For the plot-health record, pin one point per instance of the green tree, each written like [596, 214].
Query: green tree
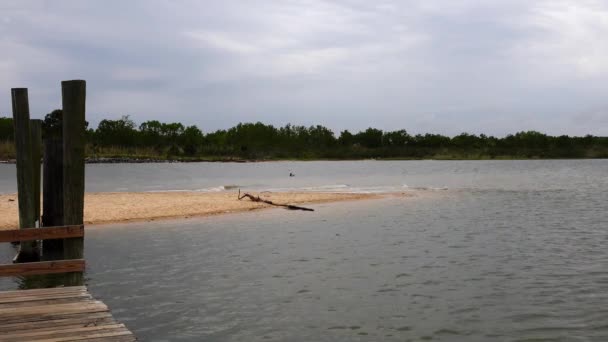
[398, 138]
[119, 132]
[191, 140]
[321, 137]
[151, 133]
[52, 125]
[6, 129]
[171, 131]
[370, 138]
[346, 138]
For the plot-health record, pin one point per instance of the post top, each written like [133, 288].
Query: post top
[73, 81]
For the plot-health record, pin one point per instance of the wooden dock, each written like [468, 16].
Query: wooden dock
[68, 312]
[57, 314]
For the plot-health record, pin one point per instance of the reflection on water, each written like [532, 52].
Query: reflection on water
[507, 263]
[42, 281]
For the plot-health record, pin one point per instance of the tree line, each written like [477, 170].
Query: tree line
[153, 139]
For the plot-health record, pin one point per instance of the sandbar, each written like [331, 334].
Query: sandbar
[114, 207]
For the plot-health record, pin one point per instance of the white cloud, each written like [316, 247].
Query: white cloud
[136, 74]
[313, 38]
[24, 65]
[567, 39]
[221, 41]
[310, 61]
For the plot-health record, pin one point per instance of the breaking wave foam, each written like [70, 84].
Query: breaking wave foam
[329, 188]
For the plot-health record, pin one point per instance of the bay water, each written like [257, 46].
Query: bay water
[464, 251]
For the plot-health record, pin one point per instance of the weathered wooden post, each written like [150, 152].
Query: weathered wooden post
[73, 95]
[25, 170]
[52, 202]
[36, 136]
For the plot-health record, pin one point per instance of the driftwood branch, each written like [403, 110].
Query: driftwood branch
[258, 199]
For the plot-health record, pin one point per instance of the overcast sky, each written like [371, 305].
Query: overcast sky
[450, 66]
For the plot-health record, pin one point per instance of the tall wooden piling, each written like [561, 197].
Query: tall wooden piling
[52, 193]
[25, 169]
[36, 136]
[73, 98]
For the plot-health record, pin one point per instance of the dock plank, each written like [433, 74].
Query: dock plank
[34, 300]
[92, 319]
[66, 332]
[33, 292]
[55, 315]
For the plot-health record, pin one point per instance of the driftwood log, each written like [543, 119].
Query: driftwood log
[258, 199]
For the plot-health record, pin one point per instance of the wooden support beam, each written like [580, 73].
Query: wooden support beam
[42, 267]
[52, 194]
[36, 136]
[73, 95]
[64, 232]
[25, 168]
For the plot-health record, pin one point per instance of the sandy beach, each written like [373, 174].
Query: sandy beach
[113, 207]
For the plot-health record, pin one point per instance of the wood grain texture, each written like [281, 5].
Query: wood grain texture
[42, 267]
[25, 167]
[57, 314]
[53, 290]
[42, 233]
[73, 94]
[36, 136]
[52, 193]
